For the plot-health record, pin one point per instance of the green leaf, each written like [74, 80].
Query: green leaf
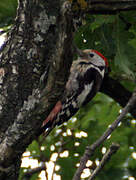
[124, 51]
[100, 20]
[7, 11]
[34, 148]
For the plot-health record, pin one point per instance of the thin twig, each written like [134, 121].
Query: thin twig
[30, 172]
[112, 150]
[90, 149]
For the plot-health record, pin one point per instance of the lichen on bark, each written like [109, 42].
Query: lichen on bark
[40, 38]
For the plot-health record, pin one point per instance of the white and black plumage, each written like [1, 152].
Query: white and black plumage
[84, 82]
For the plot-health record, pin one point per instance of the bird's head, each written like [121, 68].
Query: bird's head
[93, 56]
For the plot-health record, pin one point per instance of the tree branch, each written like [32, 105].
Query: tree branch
[112, 150]
[110, 6]
[30, 172]
[90, 149]
[115, 90]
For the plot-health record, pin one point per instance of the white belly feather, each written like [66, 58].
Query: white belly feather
[83, 95]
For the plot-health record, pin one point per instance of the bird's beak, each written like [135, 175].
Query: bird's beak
[79, 52]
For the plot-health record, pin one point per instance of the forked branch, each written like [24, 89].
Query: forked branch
[90, 149]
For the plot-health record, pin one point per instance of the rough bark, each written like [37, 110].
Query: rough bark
[41, 36]
[39, 47]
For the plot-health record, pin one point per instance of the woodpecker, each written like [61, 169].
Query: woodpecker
[86, 75]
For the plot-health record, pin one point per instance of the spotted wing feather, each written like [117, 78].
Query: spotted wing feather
[78, 92]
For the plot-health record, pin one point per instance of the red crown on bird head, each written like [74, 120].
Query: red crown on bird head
[103, 57]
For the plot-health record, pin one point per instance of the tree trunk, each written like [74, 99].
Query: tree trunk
[39, 43]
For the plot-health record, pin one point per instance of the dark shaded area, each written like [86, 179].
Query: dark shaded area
[116, 91]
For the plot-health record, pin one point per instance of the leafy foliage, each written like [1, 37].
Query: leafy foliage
[84, 129]
[115, 37]
[7, 11]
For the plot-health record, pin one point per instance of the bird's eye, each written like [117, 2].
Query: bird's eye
[91, 55]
